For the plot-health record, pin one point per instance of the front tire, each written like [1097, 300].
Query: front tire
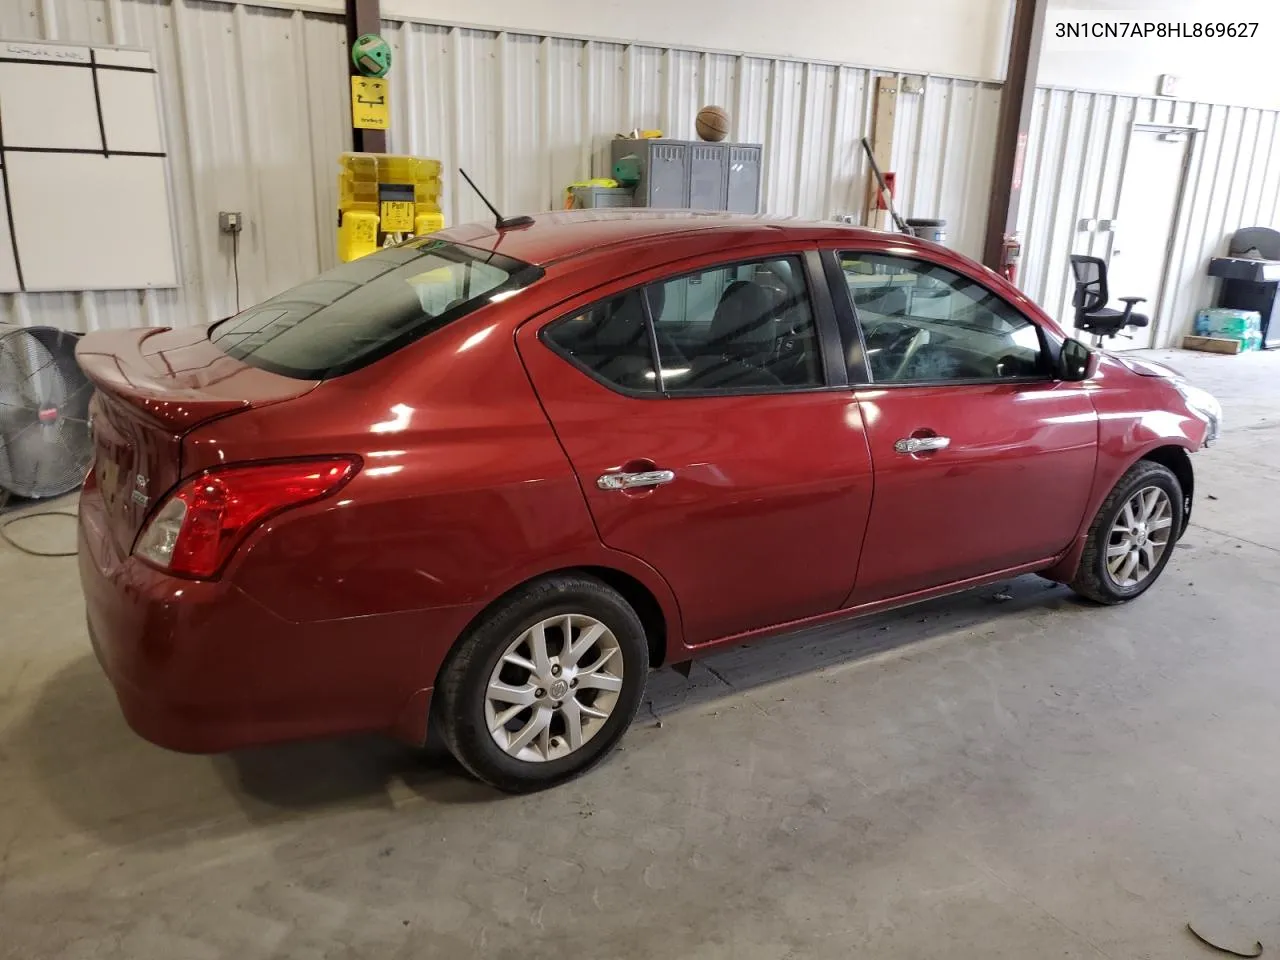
[1132, 536]
[545, 684]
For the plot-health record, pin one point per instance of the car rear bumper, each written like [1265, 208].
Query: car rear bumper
[202, 667]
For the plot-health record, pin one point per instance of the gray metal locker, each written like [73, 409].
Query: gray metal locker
[743, 189]
[708, 170]
[666, 180]
[664, 171]
[694, 174]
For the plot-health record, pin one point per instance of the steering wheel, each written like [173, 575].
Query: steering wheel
[1010, 365]
[898, 343]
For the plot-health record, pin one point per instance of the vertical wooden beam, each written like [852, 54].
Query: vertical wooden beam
[364, 16]
[1015, 119]
[882, 124]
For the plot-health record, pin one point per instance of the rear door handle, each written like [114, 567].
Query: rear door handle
[922, 444]
[629, 481]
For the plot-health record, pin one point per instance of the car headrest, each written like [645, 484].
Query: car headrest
[620, 323]
[744, 316]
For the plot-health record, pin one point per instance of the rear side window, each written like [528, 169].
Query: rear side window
[742, 327]
[746, 326]
[366, 309]
[610, 340]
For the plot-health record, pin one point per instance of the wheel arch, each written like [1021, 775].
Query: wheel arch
[1178, 461]
[641, 598]
[1174, 457]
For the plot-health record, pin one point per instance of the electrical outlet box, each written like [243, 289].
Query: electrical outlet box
[230, 221]
[913, 84]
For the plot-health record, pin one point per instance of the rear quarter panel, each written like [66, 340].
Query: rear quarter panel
[464, 493]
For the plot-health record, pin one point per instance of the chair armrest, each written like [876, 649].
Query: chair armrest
[1128, 309]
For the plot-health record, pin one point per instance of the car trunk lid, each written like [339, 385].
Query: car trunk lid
[153, 387]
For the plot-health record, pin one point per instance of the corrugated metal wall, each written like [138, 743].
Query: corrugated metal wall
[256, 111]
[255, 104]
[1074, 165]
[526, 115]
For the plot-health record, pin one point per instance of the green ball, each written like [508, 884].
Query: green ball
[371, 55]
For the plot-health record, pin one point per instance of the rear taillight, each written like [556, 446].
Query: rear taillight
[201, 523]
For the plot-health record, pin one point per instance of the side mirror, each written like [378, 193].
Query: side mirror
[1074, 361]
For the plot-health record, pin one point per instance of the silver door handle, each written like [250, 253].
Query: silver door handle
[628, 481]
[922, 444]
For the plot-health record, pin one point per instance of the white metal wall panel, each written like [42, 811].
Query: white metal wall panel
[255, 103]
[256, 106]
[1075, 162]
[530, 115]
[850, 122]
[749, 122]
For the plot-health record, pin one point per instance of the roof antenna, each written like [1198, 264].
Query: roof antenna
[501, 222]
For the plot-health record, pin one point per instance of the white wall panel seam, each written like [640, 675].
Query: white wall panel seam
[797, 186]
[260, 260]
[1086, 141]
[1266, 166]
[833, 142]
[453, 53]
[1108, 143]
[587, 92]
[183, 62]
[946, 143]
[1032, 196]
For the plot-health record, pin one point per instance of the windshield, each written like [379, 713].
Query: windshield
[366, 309]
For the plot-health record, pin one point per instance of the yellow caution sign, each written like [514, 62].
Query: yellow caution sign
[370, 103]
[397, 216]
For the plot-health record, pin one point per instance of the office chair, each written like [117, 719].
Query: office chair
[1091, 296]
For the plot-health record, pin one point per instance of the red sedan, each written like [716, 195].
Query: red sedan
[489, 478]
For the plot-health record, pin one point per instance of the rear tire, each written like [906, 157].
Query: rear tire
[544, 685]
[1133, 535]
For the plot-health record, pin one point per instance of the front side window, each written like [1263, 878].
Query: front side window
[363, 310]
[747, 326]
[922, 322]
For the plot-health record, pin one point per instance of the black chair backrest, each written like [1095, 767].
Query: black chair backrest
[1091, 283]
[743, 320]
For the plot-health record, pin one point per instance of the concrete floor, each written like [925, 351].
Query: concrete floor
[971, 778]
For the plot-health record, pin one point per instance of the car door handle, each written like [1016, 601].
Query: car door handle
[629, 481]
[922, 444]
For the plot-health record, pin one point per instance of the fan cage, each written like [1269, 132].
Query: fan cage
[45, 446]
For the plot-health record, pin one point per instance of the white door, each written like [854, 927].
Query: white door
[1143, 228]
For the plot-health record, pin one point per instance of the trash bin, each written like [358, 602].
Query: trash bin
[932, 230]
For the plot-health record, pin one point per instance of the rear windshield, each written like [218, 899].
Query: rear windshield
[366, 309]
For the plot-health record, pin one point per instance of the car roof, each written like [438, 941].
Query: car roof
[563, 234]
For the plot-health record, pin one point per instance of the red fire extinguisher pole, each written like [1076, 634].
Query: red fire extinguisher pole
[1012, 253]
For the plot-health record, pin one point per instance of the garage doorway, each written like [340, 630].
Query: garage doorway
[1141, 241]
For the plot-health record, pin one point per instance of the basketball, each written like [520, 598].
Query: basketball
[712, 124]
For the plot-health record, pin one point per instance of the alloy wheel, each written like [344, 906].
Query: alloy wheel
[554, 688]
[1139, 537]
